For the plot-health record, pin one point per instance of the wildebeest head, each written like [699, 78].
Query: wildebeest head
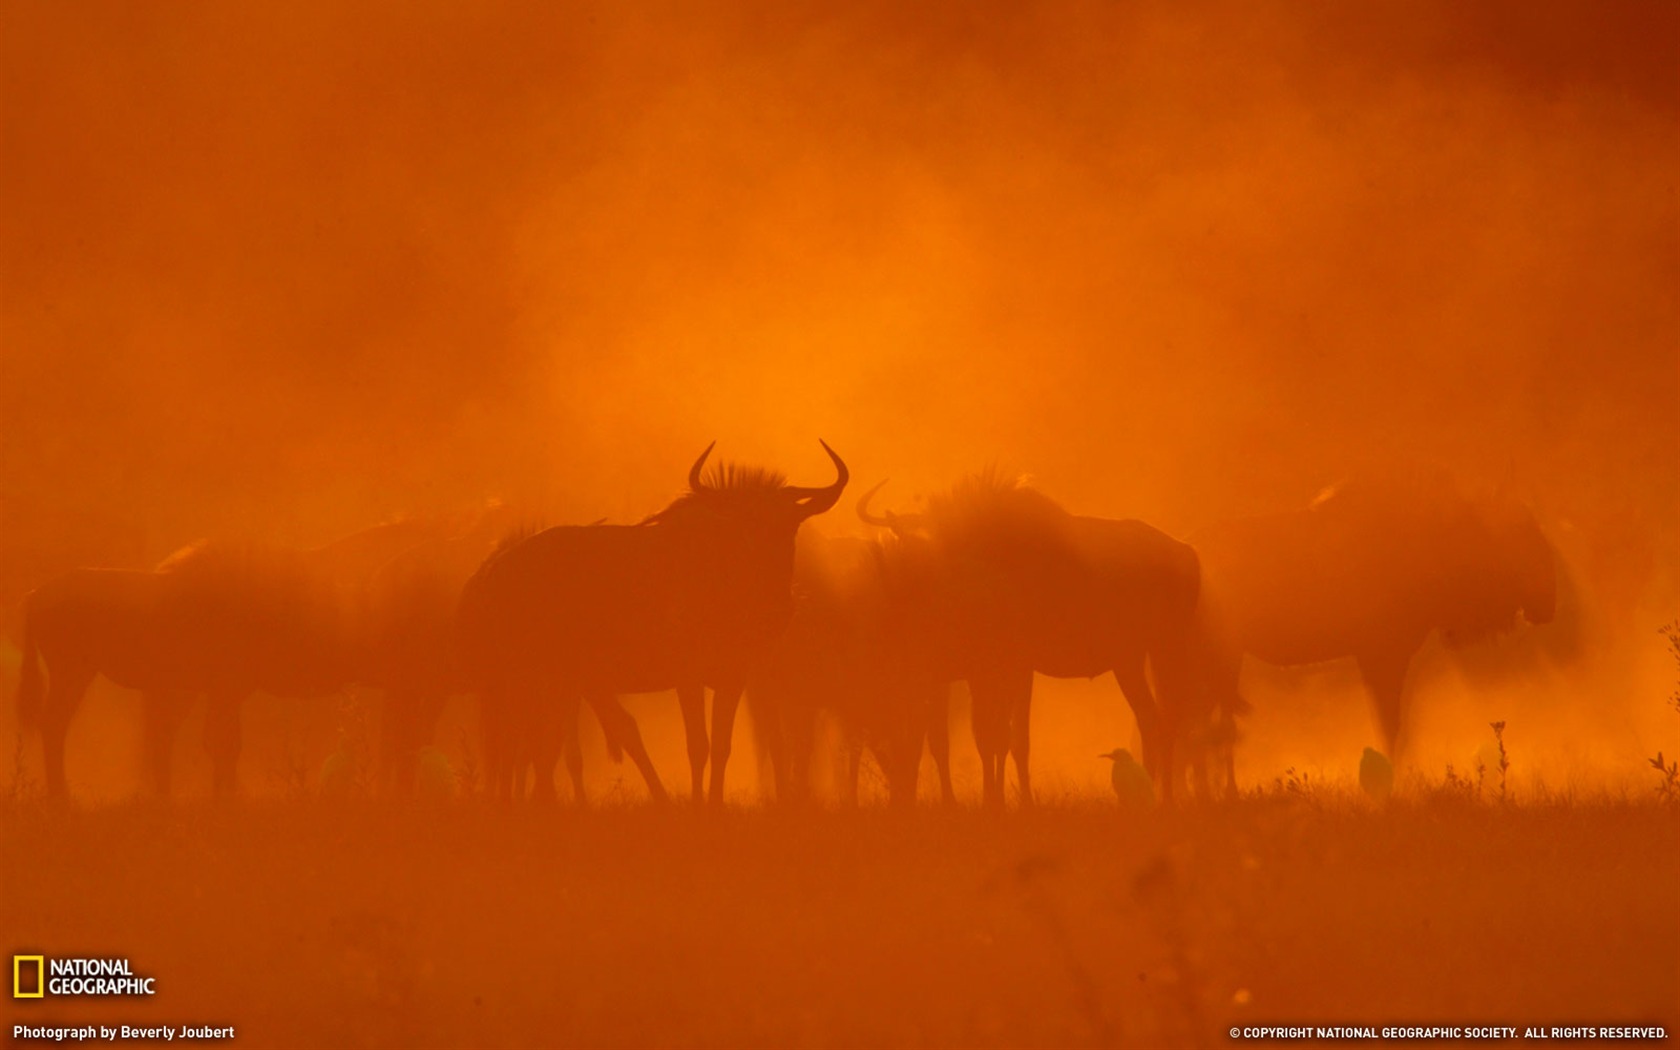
[752, 497]
[1509, 574]
[948, 566]
[988, 501]
[910, 572]
[751, 508]
[901, 524]
[906, 562]
[1531, 563]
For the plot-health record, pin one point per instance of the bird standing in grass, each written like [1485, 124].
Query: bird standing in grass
[1376, 774]
[1132, 785]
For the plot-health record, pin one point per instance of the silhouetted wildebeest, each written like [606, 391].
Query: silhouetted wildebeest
[221, 620]
[843, 653]
[1368, 572]
[1009, 584]
[693, 596]
[537, 735]
[408, 626]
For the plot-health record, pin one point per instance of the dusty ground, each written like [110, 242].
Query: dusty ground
[1074, 924]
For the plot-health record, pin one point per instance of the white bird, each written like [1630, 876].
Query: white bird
[1132, 784]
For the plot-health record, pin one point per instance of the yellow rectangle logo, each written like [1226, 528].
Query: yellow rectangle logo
[29, 976]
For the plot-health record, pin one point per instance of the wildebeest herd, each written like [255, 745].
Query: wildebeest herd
[990, 583]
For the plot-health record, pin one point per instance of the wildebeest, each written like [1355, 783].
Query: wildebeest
[1012, 584]
[407, 617]
[1368, 571]
[693, 596]
[217, 619]
[221, 622]
[538, 735]
[846, 653]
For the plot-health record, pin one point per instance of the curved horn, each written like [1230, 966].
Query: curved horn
[820, 499]
[882, 521]
[902, 524]
[694, 482]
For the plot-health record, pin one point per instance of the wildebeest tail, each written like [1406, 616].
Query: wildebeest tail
[31, 688]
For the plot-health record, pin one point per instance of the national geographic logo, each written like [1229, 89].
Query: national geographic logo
[36, 977]
[29, 976]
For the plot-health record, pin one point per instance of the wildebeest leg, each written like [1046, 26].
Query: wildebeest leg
[1146, 711]
[769, 718]
[546, 739]
[1020, 737]
[399, 739]
[852, 750]
[1385, 676]
[572, 751]
[1227, 697]
[428, 709]
[990, 704]
[692, 700]
[621, 729]
[1231, 790]
[1199, 769]
[725, 699]
[1156, 728]
[395, 711]
[494, 734]
[901, 759]
[163, 713]
[416, 713]
[222, 740]
[795, 742]
[939, 744]
[65, 690]
[995, 754]
[522, 715]
[1195, 685]
[1228, 750]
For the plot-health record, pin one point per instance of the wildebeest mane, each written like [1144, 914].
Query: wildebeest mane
[234, 560]
[1409, 494]
[723, 480]
[248, 574]
[514, 537]
[990, 504]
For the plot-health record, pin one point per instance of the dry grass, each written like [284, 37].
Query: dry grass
[1073, 924]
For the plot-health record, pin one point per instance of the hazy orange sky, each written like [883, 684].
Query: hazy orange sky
[294, 268]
